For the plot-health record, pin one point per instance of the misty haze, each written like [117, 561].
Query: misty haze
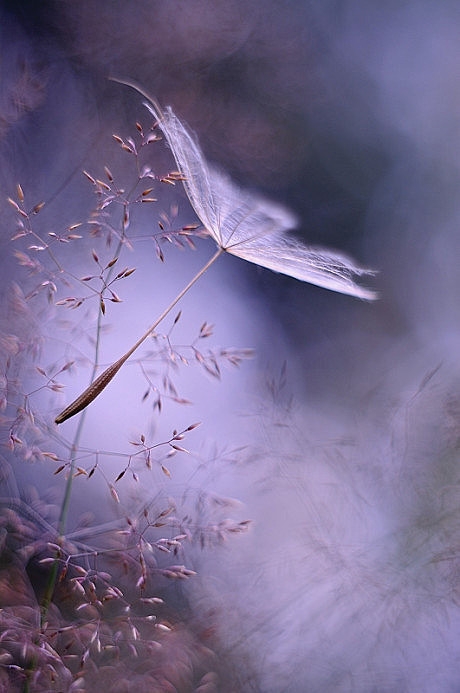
[265, 496]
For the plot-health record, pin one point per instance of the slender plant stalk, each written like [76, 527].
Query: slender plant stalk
[64, 511]
[104, 379]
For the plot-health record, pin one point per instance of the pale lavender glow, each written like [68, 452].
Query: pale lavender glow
[346, 461]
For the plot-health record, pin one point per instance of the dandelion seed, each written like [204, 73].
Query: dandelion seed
[241, 224]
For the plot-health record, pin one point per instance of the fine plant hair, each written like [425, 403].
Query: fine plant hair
[241, 224]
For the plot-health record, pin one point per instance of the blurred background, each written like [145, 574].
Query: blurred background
[340, 438]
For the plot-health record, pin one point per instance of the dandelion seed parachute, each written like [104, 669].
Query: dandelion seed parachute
[247, 225]
[240, 223]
